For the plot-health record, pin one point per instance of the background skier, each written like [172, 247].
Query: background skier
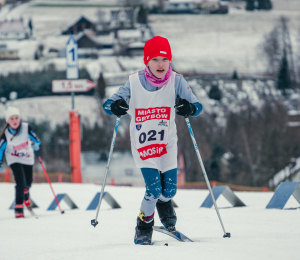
[15, 141]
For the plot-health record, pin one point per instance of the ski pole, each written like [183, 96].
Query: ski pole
[40, 160]
[94, 222]
[204, 173]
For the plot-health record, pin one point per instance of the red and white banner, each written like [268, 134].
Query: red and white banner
[21, 146]
[143, 115]
[152, 151]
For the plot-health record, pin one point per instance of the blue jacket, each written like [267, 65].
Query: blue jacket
[182, 90]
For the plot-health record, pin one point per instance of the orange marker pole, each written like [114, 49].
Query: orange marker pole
[7, 175]
[75, 146]
[60, 177]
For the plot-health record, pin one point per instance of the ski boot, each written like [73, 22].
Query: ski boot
[143, 230]
[27, 200]
[19, 211]
[167, 214]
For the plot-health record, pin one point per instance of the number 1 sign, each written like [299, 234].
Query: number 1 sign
[72, 58]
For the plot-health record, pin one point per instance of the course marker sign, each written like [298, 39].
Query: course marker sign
[72, 58]
[77, 85]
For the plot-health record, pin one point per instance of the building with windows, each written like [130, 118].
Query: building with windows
[13, 30]
[8, 52]
[179, 6]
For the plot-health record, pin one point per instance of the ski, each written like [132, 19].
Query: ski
[175, 234]
[31, 211]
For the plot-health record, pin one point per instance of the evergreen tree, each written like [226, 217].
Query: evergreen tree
[250, 5]
[264, 5]
[284, 80]
[235, 75]
[214, 172]
[215, 93]
[101, 86]
[142, 15]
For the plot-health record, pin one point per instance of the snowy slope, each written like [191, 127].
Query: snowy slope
[56, 109]
[223, 43]
[200, 43]
[257, 233]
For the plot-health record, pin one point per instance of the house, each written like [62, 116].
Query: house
[294, 119]
[115, 20]
[106, 41]
[290, 173]
[134, 49]
[79, 25]
[121, 19]
[86, 41]
[106, 44]
[179, 6]
[13, 30]
[9, 52]
[211, 7]
[126, 37]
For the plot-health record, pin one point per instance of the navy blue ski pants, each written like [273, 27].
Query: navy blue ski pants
[159, 185]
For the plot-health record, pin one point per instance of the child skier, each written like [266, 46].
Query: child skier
[15, 141]
[154, 95]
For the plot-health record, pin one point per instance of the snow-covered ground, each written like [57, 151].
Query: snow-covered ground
[257, 233]
[55, 109]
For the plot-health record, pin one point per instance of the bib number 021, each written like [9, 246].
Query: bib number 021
[151, 136]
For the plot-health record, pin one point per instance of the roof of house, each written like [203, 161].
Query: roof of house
[56, 42]
[129, 33]
[136, 45]
[16, 26]
[106, 39]
[181, 1]
[81, 18]
[10, 45]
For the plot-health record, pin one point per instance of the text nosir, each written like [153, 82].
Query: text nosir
[152, 151]
[142, 115]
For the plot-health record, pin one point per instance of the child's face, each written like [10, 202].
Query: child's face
[14, 121]
[159, 66]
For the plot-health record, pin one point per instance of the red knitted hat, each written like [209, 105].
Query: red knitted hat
[157, 46]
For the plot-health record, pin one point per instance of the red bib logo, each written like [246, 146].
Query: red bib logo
[142, 115]
[21, 146]
[152, 151]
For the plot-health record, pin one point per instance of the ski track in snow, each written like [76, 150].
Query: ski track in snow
[256, 233]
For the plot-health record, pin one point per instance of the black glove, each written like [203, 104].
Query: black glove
[184, 107]
[119, 107]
